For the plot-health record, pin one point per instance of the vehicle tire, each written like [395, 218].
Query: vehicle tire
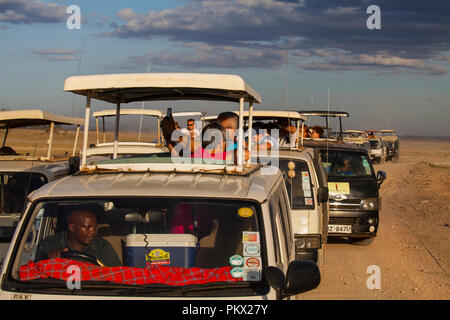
[362, 241]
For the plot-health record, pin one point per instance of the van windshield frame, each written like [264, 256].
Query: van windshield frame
[236, 288]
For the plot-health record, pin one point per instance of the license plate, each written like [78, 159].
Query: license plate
[337, 228]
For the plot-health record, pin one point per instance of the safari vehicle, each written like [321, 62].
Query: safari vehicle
[126, 148]
[23, 173]
[181, 229]
[359, 137]
[305, 180]
[377, 147]
[392, 143]
[328, 134]
[353, 190]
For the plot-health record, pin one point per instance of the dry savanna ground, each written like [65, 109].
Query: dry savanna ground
[412, 249]
[30, 141]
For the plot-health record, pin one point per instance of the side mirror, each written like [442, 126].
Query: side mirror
[74, 164]
[322, 195]
[381, 176]
[302, 276]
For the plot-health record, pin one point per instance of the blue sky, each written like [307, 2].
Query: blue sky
[396, 77]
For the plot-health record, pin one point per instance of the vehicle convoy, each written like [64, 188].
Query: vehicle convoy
[353, 189]
[378, 150]
[21, 174]
[359, 137]
[392, 144]
[179, 229]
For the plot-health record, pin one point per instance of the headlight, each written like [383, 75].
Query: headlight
[308, 242]
[370, 204]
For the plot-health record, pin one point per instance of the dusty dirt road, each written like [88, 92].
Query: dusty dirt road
[412, 248]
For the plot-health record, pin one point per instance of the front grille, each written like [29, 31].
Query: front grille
[344, 220]
[347, 204]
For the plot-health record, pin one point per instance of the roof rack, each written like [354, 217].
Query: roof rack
[35, 117]
[125, 88]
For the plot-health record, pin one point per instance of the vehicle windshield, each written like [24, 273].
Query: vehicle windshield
[146, 243]
[346, 163]
[14, 188]
[374, 144]
[388, 134]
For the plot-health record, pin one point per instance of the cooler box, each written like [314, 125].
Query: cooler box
[174, 250]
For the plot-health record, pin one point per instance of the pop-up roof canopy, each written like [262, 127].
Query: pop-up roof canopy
[354, 131]
[112, 112]
[27, 118]
[387, 131]
[35, 117]
[125, 88]
[325, 113]
[274, 115]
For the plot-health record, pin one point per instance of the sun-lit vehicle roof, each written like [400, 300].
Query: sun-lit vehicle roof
[130, 87]
[34, 117]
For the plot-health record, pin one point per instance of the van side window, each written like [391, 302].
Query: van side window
[285, 217]
[299, 187]
[274, 211]
[280, 229]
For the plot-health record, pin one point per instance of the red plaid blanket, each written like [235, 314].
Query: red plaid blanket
[57, 268]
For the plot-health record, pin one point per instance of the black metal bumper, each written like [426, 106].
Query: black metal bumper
[358, 220]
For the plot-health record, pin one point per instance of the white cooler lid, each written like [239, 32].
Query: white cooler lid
[162, 240]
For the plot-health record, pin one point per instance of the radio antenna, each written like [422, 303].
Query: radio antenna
[78, 72]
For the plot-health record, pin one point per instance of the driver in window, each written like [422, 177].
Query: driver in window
[346, 168]
[80, 239]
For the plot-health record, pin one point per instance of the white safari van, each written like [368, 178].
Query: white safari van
[23, 168]
[304, 176]
[157, 227]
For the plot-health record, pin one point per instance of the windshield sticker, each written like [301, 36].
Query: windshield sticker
[308, 201]
[158, 256]
[245, 212]
[252, 249]
[252, 262]
[237, 272]
[366, 166]
[249, 236]
[306, 184]
[252, 275]
[338, 188]
[236, 260]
